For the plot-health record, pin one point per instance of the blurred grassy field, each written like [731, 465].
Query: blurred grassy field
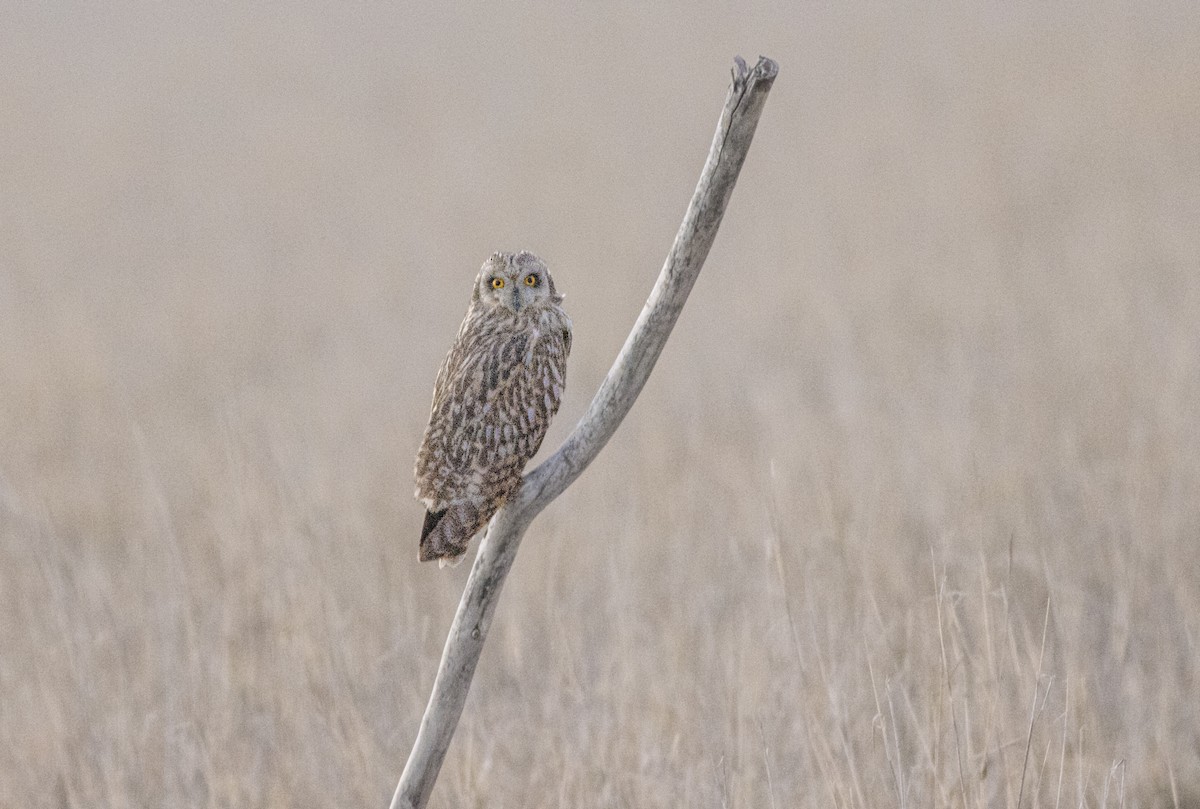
[908, 515]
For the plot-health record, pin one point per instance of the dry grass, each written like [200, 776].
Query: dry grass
[908, 516]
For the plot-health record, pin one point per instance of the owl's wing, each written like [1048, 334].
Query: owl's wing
[476, 373]
[466, 427]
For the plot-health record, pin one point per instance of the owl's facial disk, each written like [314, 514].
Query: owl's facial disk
[515, 282]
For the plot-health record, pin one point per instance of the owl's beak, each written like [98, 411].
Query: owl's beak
[516, 298]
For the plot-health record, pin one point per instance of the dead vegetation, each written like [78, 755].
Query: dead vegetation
[907, 515]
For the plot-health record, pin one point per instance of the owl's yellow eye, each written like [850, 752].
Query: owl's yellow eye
[497, 283]
[531, 280]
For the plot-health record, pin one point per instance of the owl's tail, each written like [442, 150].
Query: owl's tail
[447, 533]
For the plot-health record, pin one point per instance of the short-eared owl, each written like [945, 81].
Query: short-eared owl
[494, 397]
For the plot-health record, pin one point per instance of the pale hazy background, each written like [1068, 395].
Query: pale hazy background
[942, 369]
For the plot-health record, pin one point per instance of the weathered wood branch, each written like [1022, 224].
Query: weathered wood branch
[735, 130]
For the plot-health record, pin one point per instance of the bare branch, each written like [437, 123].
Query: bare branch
[735, 130]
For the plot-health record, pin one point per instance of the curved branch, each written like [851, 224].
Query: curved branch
[735, 130]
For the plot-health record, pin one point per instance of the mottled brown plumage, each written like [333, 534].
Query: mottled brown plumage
[495, 395]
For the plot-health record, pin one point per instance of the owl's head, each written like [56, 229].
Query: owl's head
[518, 282]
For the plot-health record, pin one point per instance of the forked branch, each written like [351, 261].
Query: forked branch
[735, 130]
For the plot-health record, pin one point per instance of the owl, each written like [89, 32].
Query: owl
[495, 395]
